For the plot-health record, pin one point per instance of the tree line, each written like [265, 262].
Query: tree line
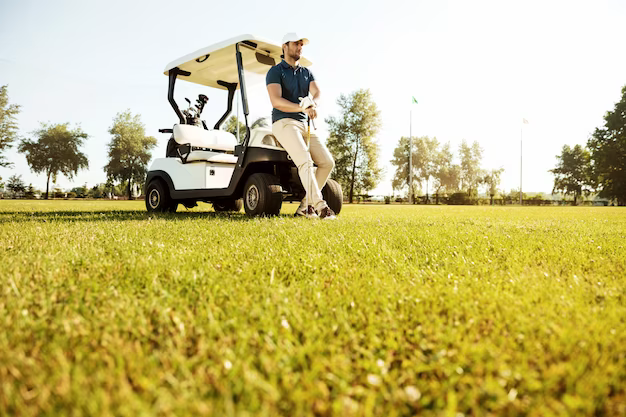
[55, 149]
[18, 188]
[352, 141]
[433, 166]
[601, 165]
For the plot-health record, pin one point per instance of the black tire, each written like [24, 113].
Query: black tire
[228, 205]
[333, 195]
[262, 195]
[158, 198]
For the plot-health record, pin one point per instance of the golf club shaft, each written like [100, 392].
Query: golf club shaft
[308, 148]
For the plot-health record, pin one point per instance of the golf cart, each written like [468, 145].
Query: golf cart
[209, 165]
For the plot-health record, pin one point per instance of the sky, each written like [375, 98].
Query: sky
[477, 68]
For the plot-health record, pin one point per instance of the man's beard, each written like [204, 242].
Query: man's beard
[295, 56]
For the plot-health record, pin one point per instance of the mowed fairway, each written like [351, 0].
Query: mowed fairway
[391, 310]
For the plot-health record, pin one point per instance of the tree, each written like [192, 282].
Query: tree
[8, 124]
[448, 175]
[572, 174]
[129, 150]
[401, 162]
[513, 196]
[81, 191]
[425, 162]
[427, 154]
[120, 189]
[352, 142]
[608, 153]
[492, 179]
[471, 173]
[55, 151]
[16, 185]
[231, 126]
[30, 192]
[109, 187]
[97, 191]
[260, 122]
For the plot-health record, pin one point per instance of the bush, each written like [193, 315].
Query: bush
[78, 192]
[30, 192]
[460, 198]
[96, 192]
[387, 200]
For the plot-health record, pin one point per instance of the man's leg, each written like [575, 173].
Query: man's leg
[289, 133]
[323, 159]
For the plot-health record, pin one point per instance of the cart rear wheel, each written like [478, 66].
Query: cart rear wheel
[333, 195]
[158, 198]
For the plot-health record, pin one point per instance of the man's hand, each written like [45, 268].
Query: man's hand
[306, 102]
[311, 112]
[308, 106]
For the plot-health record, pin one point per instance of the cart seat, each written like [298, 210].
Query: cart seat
[212, 157]
[198, 137]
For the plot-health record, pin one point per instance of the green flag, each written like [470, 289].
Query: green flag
[414, 101]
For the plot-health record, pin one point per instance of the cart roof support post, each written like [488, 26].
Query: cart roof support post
[231, 94]
[173, 73]
[244, 99]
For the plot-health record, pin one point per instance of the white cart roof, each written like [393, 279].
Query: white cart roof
[219, 63]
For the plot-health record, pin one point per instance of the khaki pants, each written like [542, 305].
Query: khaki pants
[291, 133]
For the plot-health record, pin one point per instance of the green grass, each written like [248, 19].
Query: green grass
[391, 310]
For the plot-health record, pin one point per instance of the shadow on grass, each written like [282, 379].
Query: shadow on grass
[68, 216]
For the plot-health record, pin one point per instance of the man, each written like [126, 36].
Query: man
[294, 93]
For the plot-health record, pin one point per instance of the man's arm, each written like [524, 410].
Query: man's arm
[315, 90]
[278, 102]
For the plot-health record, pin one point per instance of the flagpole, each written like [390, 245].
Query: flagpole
[411, 154]
[521, 135]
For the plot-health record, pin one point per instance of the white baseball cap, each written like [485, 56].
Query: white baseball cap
[293, 37]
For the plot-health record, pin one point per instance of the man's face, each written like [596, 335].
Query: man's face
[294, 50]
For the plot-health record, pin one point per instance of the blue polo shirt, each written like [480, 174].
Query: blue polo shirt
[294, 83]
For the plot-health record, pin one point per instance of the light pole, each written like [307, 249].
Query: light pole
[520, 164]
[411, 156]
[521, 136]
